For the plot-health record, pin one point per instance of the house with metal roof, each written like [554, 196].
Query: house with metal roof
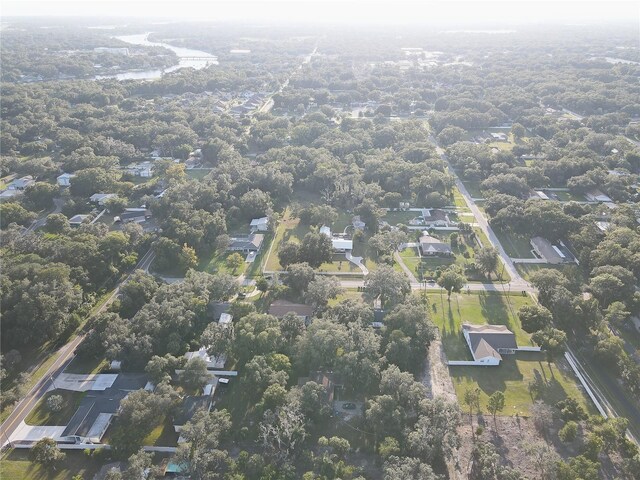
[488, 343]
[246, 244]
[434, 247]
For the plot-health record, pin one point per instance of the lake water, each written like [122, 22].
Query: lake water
[188, 58]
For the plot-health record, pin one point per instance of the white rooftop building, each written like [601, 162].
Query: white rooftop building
[64, 180]
[339, 244]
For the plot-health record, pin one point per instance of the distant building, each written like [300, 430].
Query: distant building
[597, 196]
[21, 183]
[115, 50]
[97, 408]
[213, 362]
[78, 220]
[432, 217]
[100, 198]
[142, 169]
[259, 224]
[603, 226]
[357, 223]
[500, 137]
[280, 308]
[137, 215]
[64, 180]
[433, 247]
[190, 405]
[539, 194]
[554, 254]
[246, 244]
[488, 342]
[339, 244]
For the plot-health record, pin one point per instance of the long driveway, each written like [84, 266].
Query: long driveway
[64, 356]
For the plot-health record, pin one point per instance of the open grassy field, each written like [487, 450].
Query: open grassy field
[41, 415]
[516, 246]
[516, 372]
[17, 465]
[573, 272]
[217, 263]
[82, 364]
[399, 217]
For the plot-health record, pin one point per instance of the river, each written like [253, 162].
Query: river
[188, 58]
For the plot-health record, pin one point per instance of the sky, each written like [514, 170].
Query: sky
[338, 11]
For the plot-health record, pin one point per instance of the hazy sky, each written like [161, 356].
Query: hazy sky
[347, 11]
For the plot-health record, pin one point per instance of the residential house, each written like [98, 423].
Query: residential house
[64, 180]
[137, 215]
[100, 198]
[488, 343]
[142, 169]
[280, 308]
[432, 217]
[78, 220]
[340, 244]
[213, 362]
[331, 382]
[259, 224]
[434, 247]
[98, 407]
[554, 254]
[246, 244]
[357, 223]
[190, 405]
[21, 183]
[597, 196]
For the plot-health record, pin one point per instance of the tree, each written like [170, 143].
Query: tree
[298, 277]
[568, 432]
[452, 280]
[322, 289]
[472, 400]
[288, 253]
[139, 466]
[40, 195]
[262, 284]
[55, 403]
[199, 454]
[57, 223]
[388, 447]
[136, 292]
[390, 286]
[487, 260]
[316, 248]
[403, 468]
[47, 453]
[542, 415]
[195, 374]
[234, 261]
[12, 212]
[282, 431]
[544, 459]
[495, 404]
[434, 437]
[551, 340]
[534, 318]
[518, 130]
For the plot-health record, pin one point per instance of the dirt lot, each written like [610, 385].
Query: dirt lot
[510, 434]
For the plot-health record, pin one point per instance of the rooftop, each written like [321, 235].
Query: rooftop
[280, 308]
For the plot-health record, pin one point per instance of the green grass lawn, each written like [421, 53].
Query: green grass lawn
[458, 200]
[516, 246]
[568, 197]
[17, 465]
[217, 263]
[573, 272]
[164, 435]
[473, 187]
[41, 415]
[399, 217]
[198, 174]
[516, 371]
[81, 364]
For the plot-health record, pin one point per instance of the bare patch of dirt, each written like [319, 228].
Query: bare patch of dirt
[436, 373]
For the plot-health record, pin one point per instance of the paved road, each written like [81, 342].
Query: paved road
[65, 355]
[59, 203]
[517, 282]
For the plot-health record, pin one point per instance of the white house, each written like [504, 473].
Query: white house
[21, 183]
[259, 224]
[339, 244]
[142, 169]
[597, 196]
[64, 180]
[488, 342]
[100, 198]
[213, 362]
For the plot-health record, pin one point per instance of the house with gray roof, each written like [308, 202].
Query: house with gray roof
[246, 244]
[434, 247]
[488, 343]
